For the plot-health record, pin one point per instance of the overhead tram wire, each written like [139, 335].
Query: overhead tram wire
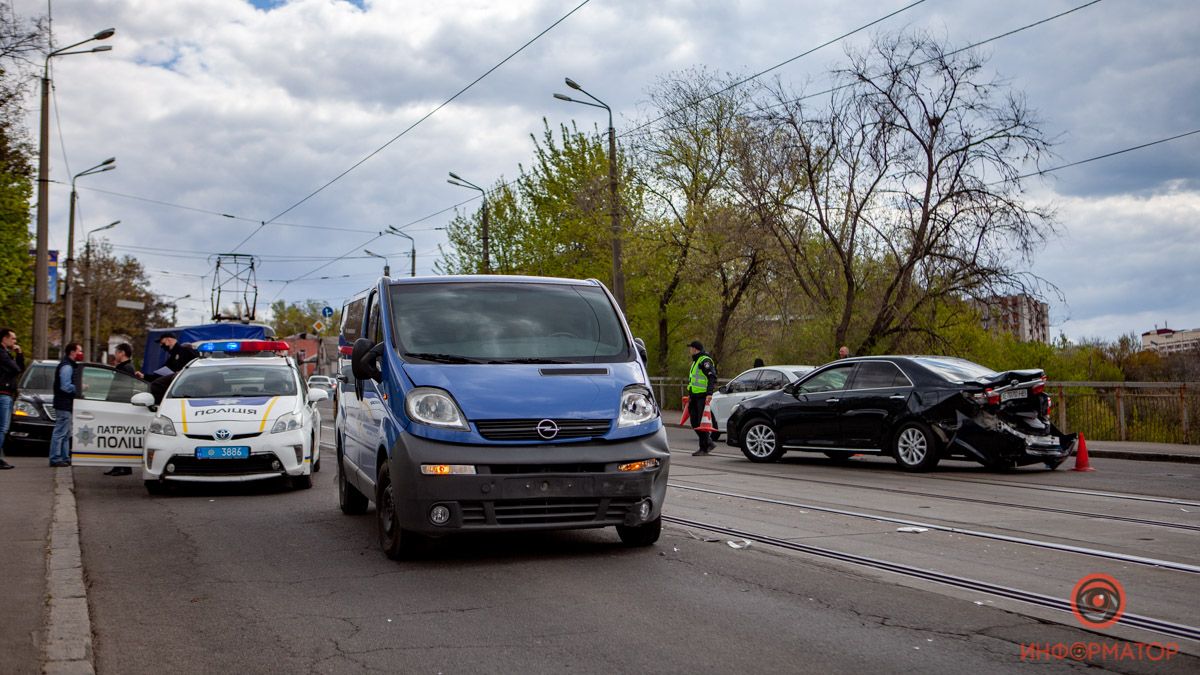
[1098, 157]
[843, 86]
[777, 66]
[412, 126]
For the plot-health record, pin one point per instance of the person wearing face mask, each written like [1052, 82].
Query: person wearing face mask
[178, 354]
[64, 405]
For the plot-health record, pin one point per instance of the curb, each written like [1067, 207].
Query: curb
[68, 647]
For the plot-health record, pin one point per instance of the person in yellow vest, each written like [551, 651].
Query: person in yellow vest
[702, 382]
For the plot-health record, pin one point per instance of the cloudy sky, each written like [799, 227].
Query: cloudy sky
[246, 108]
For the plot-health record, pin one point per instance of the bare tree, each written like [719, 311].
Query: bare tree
[900, 190]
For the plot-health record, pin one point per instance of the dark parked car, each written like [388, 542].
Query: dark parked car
[918, 409]
[33, 411]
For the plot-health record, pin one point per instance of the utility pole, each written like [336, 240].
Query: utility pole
[455, 179]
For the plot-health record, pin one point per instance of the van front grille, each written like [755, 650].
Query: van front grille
[527, 429]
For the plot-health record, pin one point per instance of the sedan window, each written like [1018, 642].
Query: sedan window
[826, 380]
[771, 379]
[878, 375]
[744, 382]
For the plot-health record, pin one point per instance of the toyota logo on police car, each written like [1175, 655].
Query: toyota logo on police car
[221, 434]
[547, 429]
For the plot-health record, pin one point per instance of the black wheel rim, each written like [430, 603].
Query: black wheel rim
[387, 508]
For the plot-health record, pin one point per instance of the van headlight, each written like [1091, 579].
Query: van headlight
[637, 406]
[436, 408]
[288, 422]
[162, 425]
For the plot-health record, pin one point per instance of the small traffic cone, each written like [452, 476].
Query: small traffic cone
[684, 420]
[706, 423]
[1081, 456]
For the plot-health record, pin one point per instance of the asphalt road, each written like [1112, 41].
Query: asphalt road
[258, 578]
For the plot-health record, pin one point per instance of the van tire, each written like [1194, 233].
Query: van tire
[397, 542]
[351, 501]
[640, 535]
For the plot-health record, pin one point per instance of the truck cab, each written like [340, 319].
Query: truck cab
[492, 403]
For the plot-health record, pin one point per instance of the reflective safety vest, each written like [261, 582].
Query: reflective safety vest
[697, 380]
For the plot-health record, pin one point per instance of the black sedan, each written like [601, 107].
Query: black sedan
[33, 411]
[918, 409]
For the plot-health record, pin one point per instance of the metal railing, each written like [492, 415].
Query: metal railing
[1155, 412]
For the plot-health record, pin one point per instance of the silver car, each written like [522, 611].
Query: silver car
[752, 383]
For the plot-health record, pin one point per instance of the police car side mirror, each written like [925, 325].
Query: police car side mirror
[362, 361]
[316, 395]
[144, 399]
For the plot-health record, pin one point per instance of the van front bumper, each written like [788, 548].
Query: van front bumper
[529, 487]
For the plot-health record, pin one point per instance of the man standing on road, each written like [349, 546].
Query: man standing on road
[64, 405]
[702, 381]
[124, 357]
[12, 363]
[178, 355]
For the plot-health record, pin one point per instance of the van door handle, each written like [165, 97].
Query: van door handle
[833, 400]
[85, 416]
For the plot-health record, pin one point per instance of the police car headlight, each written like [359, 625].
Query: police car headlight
[436, 408]
[288, 422]
[162, 426]
[26, 408]
[637, 407]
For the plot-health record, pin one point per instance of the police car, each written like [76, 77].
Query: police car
[241, 415]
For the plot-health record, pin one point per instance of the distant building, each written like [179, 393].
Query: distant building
[1171, 341]
[1023, 316]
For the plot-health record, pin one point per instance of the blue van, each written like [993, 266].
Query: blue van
[497, 403]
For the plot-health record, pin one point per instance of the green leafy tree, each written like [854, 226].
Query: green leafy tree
[298, 317]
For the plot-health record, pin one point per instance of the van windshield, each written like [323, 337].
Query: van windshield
[507, 323]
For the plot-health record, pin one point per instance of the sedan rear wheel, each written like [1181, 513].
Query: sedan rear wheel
[760, 443]
[915, 448]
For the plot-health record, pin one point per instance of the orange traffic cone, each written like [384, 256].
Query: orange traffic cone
[706, 423]
[684, 420]
[1081, 456]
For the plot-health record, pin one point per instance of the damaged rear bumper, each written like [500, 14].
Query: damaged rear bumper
[991, 440]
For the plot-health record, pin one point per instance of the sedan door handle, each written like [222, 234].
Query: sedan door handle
[833, 400]
[898, 397]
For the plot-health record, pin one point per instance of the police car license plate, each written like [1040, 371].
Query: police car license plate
[223, 452]
[1014, 394]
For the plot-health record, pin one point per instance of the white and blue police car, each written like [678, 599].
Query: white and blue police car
[243, 414]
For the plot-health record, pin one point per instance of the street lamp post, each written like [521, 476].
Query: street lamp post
[175, 308]
[387, 269]
[87, 293]
[413, 254]
[618, 274]
[69, 280]
[41, 282]
[455, 179]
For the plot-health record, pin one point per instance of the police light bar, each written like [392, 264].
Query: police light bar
[345, 349]
[244, 346]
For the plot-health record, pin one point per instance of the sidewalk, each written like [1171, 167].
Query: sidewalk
[26, 508]
[1146, 452]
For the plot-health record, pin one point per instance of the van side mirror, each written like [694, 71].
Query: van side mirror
[640, 344]
[363, 360]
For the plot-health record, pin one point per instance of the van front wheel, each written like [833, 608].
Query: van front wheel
[640, 535]
[396, 542]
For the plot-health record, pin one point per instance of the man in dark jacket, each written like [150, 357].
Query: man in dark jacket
[64, 404]
[702, 382]
[12, 363]
[178, 355]
[123, 391]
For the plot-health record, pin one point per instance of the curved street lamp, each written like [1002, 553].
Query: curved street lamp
[41, 283]
[618, 275]
[387, 270]
[68, 282]
[87, 292]
[455, 179]
[413, 254]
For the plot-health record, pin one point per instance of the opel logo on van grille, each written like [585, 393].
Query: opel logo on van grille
[547, 429]
[221, 434]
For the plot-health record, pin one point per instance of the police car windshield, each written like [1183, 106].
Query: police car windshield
[234, 382]
[507, 323]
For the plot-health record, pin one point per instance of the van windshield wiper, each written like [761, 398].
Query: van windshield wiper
[529, 360]
[442, 358]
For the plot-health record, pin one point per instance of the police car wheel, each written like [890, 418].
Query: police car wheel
[640, 535]
[155, 487]
[301, 482]
[316, 451]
